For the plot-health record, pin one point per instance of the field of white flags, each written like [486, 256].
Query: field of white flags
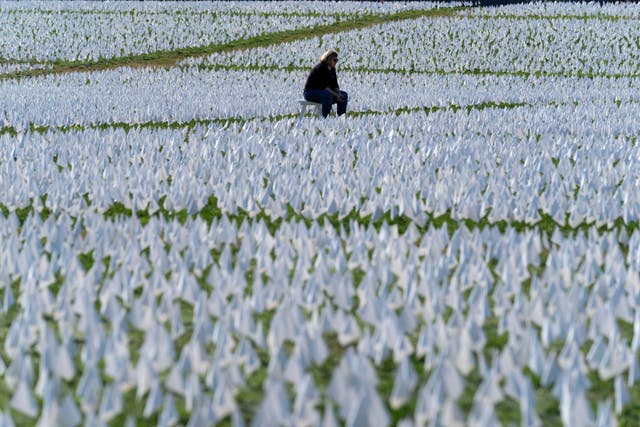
[179, 246]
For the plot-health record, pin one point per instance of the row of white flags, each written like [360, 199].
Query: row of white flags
[413, 166]
[424, 300]
[89, 31]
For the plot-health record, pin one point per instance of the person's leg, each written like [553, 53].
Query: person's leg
[342, 106]
[324, 97]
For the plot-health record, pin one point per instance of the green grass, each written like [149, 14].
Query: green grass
[177, 12]
[211, 211]
[630, 415]
[435, 71]
[558, 16]
[239, 120]
[5, 323]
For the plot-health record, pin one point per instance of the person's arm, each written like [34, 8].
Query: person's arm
[334, 89]
[335, 94]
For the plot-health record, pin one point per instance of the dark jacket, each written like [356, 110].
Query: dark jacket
[321, 77]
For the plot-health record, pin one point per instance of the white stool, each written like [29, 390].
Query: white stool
[304, 104]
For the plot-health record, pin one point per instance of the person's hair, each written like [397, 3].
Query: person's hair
[328, 56]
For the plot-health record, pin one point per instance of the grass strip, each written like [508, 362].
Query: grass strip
[175, 12]
[559, 16]
[226, 121]
[18, 61]
[412, 71]
[169, 58]
[212, 211]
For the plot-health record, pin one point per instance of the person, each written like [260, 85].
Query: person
[322, 85]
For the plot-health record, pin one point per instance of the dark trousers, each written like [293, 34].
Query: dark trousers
[326, 98]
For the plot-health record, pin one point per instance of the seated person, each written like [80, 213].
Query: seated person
[322, 85]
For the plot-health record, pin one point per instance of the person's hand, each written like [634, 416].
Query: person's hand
[339, 98]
